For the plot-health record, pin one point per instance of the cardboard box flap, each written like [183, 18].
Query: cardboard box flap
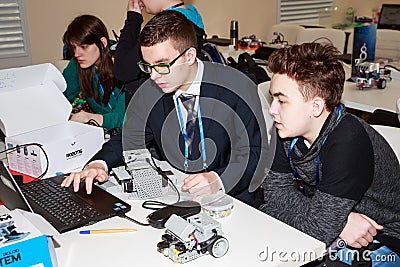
[31, 98]
[23, 77]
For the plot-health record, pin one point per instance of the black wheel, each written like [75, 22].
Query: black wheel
[218, 247]
[381, 83]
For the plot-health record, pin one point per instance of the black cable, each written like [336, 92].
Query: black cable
[93, 122]
[323, 38]
[391, 66]
[115, 36]
[123, 215]
[160, 172]
[154, 204]
[8, 150]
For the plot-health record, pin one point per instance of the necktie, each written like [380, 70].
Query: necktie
[188, 102]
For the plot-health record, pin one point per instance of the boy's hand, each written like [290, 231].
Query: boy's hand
[135, 5]
[359, 230]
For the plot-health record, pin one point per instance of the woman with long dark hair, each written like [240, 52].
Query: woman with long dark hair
[91, 87]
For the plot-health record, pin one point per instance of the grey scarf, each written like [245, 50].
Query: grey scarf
[306, 164]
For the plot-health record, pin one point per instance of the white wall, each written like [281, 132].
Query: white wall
[48, 19]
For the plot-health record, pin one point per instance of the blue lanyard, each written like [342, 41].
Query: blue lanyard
[102, 89]
[175, 6]
[294, 172]
[183, 129]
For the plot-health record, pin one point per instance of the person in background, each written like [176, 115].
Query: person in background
[128, 54]
[97, 97]
[331, 169]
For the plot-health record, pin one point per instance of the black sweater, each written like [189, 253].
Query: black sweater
[128, 54]
[360, 173]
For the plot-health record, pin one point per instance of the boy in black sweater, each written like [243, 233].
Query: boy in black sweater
[331, 169]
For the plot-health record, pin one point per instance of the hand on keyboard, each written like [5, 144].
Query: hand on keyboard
[93, 172]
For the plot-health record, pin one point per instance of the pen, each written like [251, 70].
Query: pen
[107, 231]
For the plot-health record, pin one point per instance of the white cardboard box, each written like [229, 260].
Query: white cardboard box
[33, 109]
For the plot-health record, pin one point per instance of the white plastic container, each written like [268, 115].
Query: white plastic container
[217, 206]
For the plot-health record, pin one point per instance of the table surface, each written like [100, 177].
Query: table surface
[366, 100]
[371, 99]
[254, 239]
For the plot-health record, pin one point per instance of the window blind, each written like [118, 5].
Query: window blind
[300, 12]
[14, 44]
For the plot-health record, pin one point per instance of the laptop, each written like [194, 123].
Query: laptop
[389, 17]
[64, 209]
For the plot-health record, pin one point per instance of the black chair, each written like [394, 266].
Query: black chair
[384, 117]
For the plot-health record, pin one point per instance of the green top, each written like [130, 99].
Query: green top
[113, 113]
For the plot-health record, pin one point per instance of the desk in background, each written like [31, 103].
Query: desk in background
[370, 99]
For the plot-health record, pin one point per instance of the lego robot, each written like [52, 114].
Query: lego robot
[186, 240]
[371, 74]
[279, 39]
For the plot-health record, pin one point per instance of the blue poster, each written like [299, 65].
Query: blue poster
[363, 46]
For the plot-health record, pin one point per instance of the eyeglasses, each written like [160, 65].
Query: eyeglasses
[161, 68]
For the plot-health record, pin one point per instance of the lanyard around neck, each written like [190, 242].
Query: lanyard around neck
[294, 172]
[175, 6]
[183, 129]
[102, 89]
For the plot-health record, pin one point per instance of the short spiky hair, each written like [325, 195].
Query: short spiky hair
[169, 25]
[315, 68]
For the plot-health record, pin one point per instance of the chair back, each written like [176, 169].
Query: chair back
[391, 135]
[322, 35]
[387, 44]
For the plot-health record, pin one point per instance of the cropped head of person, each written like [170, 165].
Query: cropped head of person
[168, 43]
[156, 6]
[88, 41]
[306, 86]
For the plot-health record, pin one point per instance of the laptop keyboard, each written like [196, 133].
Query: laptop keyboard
[57, 201]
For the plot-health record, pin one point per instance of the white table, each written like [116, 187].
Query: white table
[255, 239]
[371, 99]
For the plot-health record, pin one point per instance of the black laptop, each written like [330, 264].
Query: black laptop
[389, 17]
[62, 207]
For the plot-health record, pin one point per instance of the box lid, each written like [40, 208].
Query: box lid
[31, 98]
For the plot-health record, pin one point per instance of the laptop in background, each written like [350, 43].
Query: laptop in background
[64, 209]
[389, 17]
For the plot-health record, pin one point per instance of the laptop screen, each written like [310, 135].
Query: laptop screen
[10, 194]
[389, 17]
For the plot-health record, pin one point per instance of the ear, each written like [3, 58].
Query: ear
[191, 55]
[104, 41]
[318, 106]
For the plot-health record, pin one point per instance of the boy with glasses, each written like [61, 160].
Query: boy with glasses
[331, 169]
[204, 119]
[128, 49]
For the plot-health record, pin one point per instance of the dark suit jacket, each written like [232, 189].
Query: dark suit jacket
[233, 124]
